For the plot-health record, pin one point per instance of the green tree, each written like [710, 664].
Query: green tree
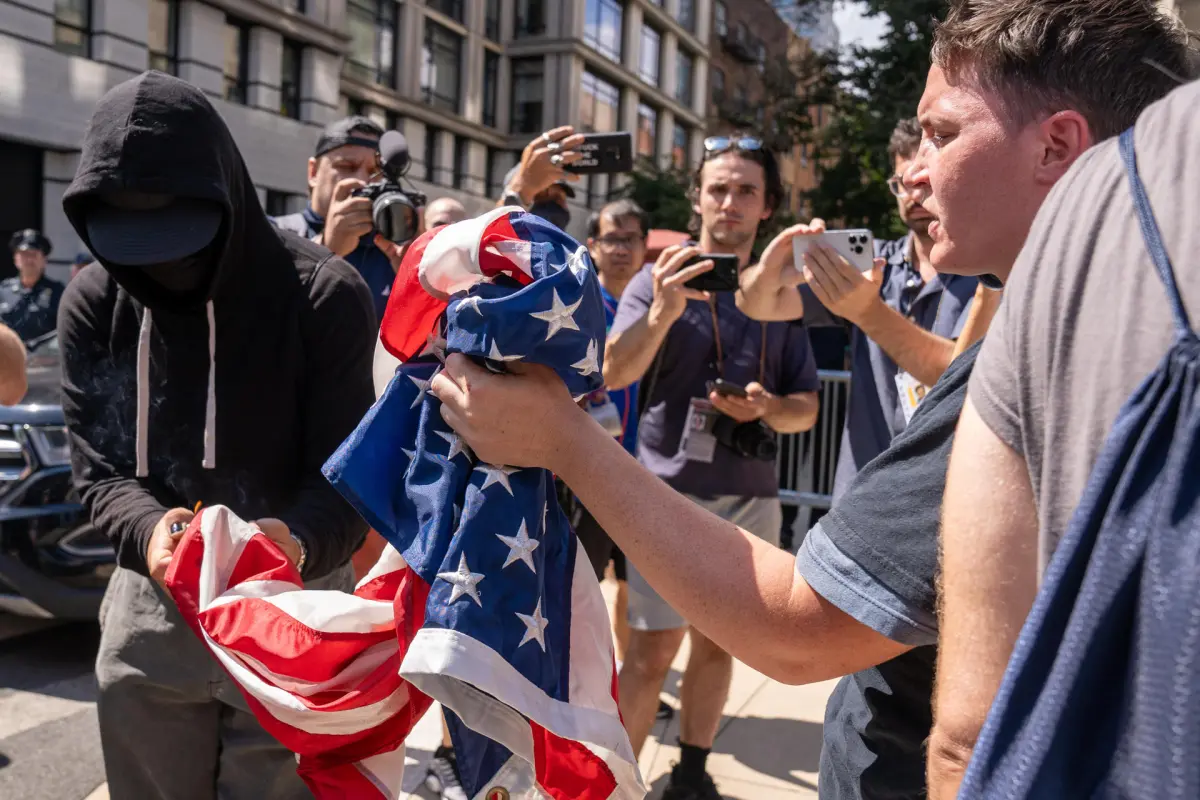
[662, 193]
[867, 92]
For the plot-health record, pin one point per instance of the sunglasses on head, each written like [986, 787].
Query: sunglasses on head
[719, 144]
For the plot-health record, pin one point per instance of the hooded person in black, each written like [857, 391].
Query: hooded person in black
[212, 360]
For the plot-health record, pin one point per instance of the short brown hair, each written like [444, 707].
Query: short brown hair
[618, 210]
[906, 139]
[1044, 56]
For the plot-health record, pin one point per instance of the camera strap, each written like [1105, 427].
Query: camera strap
[762, 350]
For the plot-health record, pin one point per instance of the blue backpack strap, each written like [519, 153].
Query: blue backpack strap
[1152, 235]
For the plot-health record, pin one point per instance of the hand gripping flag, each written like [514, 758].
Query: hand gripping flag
[482, 598]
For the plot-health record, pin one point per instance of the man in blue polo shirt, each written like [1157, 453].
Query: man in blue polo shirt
[905, 319]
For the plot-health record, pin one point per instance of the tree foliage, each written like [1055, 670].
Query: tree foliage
[867, 92]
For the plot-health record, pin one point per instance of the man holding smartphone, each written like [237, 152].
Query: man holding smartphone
[905, 317]
[707, 444]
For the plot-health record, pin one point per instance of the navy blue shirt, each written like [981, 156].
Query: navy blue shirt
[688, 363]
[33, 311]
[368, 259]
[876, 413]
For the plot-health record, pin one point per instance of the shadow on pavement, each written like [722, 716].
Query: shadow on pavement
[773, 746]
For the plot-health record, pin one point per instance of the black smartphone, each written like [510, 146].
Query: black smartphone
[726, 388]
[604, 153]
[723, 277]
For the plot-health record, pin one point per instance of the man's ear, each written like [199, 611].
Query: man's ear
[1063, 138]
[312, 174]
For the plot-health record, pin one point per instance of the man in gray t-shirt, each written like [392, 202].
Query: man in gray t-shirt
[1084, 320]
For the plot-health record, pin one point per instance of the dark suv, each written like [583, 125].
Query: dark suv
[53, 563]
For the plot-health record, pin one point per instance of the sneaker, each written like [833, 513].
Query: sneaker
[678, 789]
[664, 711]
[442, 778]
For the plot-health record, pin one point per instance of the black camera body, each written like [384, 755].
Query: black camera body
[394, 209]
[747, 439]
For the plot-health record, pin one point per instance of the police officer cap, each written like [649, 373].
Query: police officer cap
[29, 239]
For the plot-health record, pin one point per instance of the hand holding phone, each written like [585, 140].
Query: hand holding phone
[603, 153]
[723, 277]
[857, 246]
[726, 389]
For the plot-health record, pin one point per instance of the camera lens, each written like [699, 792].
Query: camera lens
[853, 240]
[394, 216]
[859, 249]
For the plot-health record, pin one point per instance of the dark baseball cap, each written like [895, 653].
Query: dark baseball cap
[29, 239]
[141, 231]
[570, 190]
[351, 130]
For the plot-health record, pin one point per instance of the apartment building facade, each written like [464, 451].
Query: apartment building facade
[469, 83]
[749, 42]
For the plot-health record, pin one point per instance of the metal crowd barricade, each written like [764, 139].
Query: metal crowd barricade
[807, 462]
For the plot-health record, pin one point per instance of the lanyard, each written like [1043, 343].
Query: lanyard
[762, 350]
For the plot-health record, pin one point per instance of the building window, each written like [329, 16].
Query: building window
[599, 108]
[647, 130]
[679, 147]
[602, 28]
[528, 82]
[431, 147]
[163, 36]
[531, 18]
[491, 86]
[441, 58]
[683, 77]
[462, 160]
[648, 64]
[372, 28]
[355, 107]
[760, 56]
[491, 20]
[687, 14]
[278, 203]
[492, 181]
[299, 6]
[720, 18]
[73, 26]
[451, 8]
[289, 82]
[393, 121]
[718, 85]
[237, 60]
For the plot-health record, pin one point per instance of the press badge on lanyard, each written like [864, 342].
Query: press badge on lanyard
[912, 392]
[698, 442]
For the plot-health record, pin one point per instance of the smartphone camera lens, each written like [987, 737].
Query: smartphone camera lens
[853, 240]
[858, 249]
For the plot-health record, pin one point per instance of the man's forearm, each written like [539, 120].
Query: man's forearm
[737, 589]
[628, 354]
[793, 413]
[767, 300]
[918, 352]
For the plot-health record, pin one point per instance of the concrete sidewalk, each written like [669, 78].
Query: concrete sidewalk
[767, 748]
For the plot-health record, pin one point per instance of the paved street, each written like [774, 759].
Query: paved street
[49, 743]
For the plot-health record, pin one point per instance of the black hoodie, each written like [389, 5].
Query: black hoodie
[289, 333]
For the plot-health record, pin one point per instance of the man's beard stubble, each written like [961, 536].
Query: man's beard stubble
[731, 238]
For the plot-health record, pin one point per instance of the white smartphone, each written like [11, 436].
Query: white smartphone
[855, 245]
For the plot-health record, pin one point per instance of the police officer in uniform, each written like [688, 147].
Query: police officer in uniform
[29, 302]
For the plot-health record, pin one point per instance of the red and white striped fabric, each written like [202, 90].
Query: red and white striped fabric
[320, 669]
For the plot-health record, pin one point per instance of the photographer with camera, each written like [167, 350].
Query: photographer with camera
[715, 388]
[356, 207]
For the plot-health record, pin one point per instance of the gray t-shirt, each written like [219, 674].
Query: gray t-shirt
[1084, 317]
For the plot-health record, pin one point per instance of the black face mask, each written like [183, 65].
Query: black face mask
[183, 275]
[553, 213]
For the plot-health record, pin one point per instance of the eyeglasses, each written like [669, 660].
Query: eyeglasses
[612, 242]
[896, 185]
[719, 144]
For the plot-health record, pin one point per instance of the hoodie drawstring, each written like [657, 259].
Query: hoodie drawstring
[210, 408]
[143, 396]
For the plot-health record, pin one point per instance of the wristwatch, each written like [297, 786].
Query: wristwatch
[303, 551]
[511, 198]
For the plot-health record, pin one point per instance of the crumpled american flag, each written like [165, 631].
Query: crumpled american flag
[482, 600]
